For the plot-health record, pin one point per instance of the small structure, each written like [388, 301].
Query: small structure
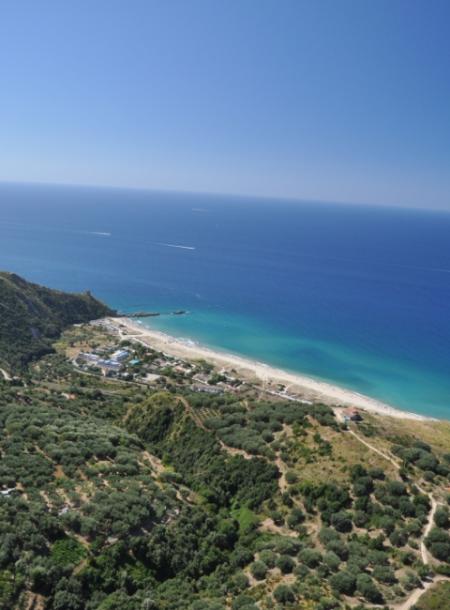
[182, 368]
[88, 357]
[7, 492]
[352, 414]
[109, 367]
[120, 355]
[68, 396]
[152, 377]
[109, 364]
[207, 389]
[202, 378]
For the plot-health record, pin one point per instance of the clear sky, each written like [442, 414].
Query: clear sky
[326, 99]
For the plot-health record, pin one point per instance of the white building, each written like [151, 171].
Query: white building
[88, 357]
[111, 365]
[120, 354]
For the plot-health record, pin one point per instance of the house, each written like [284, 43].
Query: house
[352, 414]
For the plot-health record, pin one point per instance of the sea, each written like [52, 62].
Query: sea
[358, 296]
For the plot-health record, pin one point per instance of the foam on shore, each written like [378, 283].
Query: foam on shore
[305, 387]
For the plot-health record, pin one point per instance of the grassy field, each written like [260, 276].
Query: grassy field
[437, 598]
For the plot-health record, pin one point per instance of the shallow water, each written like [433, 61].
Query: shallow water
[354, 295]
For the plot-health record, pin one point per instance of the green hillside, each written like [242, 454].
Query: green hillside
[32, 317]
[152, 492]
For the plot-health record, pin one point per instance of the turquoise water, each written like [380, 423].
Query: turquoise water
[353, 295]
[388, 379]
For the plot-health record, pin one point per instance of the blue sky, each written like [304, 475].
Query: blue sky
[336, 100]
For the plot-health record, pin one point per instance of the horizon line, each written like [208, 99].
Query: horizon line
[204, 193]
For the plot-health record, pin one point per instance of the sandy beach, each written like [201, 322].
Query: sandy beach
[270, 377]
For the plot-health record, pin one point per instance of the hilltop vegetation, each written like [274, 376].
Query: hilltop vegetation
[32, 317]
[120, 495]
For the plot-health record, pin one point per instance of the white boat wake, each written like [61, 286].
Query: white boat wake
[177, 246]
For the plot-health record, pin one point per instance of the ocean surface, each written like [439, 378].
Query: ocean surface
[355, 295]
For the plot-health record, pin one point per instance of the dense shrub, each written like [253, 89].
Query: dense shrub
[438, 542]
[259, 570]
[342, 521]
[441, 517]
[310, 557]
[384, 574]
[285, 563]
[268, 557]
[343, 582]
[368, 589]
[284, 594]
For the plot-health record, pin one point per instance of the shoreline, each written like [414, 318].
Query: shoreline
[308, 387]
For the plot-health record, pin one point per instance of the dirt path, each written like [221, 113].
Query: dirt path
[386, 456]
[200, 424]
[236, 451]
[191, 412]
[6, 375]
[34, 601]
[155, 462]
[268, 525]
[416, 594]
[423, 549]
[434, 505]
[282, 483]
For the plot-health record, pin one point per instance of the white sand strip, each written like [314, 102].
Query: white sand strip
[305, 387]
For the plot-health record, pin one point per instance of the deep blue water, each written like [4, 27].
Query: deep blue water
[351, 294]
